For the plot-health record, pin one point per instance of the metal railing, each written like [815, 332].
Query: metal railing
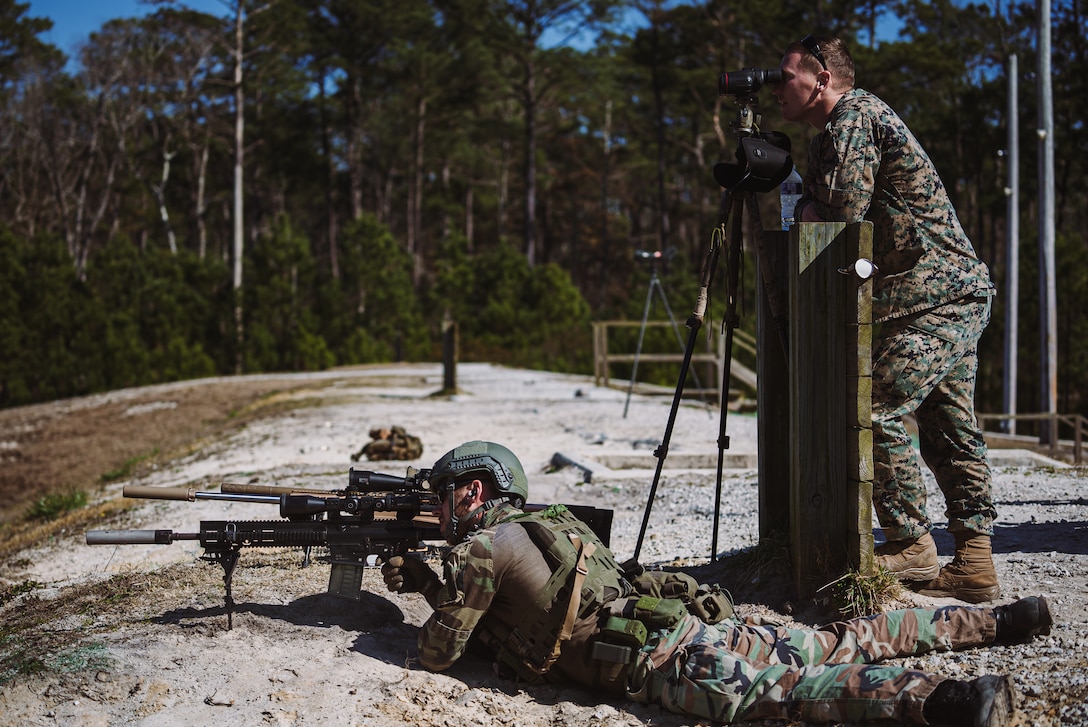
[1049, 436]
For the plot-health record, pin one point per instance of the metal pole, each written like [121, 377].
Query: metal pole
[1048, 299]
[1012, 236]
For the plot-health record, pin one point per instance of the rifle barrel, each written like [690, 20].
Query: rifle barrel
[137, 537]
[191, 494]
[235, 488]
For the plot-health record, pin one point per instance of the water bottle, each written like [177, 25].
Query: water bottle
[789, 192]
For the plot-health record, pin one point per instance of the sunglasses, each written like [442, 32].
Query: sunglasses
[443, 493]
[814, 48]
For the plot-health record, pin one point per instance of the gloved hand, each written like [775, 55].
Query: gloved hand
[405, 574]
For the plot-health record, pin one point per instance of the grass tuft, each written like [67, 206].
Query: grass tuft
[127, 467]
[10, 593]
[856, 594]
[54, 504]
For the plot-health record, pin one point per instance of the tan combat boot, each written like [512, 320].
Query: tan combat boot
[910, 560]
[970, 576]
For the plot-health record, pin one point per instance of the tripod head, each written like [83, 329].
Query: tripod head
[654, 257]
[763, 157]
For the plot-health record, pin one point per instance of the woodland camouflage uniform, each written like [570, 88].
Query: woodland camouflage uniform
[730, 671]
[932, 296]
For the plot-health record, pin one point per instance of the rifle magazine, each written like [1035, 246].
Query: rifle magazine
[346, 581]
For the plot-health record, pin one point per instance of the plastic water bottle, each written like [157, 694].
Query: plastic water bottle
[789, 192]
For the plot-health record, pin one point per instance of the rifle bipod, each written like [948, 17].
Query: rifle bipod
[227, 558]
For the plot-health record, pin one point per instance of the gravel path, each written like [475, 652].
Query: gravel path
[308, 659]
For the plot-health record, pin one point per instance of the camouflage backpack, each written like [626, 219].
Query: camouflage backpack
[389, 444]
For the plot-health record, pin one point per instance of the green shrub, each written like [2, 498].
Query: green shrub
[54, 504]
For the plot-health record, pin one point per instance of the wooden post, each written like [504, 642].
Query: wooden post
[450, 354]
[772, 392]
[830, 384]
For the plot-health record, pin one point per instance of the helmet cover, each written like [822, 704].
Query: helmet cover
[502, 465]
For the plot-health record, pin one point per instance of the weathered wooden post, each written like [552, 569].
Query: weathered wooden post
[773, 391]
[830, 384]
[450, 354]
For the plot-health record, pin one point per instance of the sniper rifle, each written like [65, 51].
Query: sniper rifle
[375, 517]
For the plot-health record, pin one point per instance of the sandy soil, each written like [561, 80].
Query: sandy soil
[138, 634]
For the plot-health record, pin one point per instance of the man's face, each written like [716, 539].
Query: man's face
[463, 503]
[798, 92]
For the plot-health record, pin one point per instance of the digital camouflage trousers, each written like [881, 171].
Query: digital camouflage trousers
[732, 671]
[925, 364]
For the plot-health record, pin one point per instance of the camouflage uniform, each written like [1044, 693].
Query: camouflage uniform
[730, 672]
[932, 295]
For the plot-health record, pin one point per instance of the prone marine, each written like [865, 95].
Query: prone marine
[547, 600]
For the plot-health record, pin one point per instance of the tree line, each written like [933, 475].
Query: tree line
[300, 184]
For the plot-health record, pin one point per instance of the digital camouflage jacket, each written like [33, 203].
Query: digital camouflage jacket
[866, 165]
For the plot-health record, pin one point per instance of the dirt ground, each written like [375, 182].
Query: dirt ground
[76, 443]
[138, 634]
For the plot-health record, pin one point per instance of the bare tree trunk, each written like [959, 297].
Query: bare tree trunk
[530, 161]
[469, 217]
[72, 197]
[355, 165]
[201, 200]
[159, 190]
[86, 229]
[662, 167]
[330, 182]
[239, 159]
[606, 169]
[503, 181]
[415, 196]
[446, 223]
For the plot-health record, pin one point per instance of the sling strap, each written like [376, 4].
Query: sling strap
[580, 573]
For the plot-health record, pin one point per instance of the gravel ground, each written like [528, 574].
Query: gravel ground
[296, 656]
[1040, 547]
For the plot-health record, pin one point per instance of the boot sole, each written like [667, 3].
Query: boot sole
[922, 574]
[970, 595]
[1002, 707]
[1045, 619]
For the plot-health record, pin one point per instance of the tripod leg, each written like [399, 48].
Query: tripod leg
[731, 320]
[641, 335]
[662, 451]
[694, 323]
[675, 328]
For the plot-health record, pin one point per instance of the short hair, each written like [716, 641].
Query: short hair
[836, 56]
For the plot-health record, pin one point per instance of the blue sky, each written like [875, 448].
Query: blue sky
[75, 20]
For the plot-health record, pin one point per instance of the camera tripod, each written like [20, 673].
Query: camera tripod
[762, 168]
[655, 285]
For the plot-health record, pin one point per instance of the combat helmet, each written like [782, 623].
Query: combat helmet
[500, 463]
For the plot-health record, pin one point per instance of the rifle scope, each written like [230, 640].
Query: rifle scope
[364, 481]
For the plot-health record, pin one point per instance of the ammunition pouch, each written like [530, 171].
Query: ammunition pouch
[710, 603]
[619, 639]
[625, 629]
[615, 648]
[653, 613]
